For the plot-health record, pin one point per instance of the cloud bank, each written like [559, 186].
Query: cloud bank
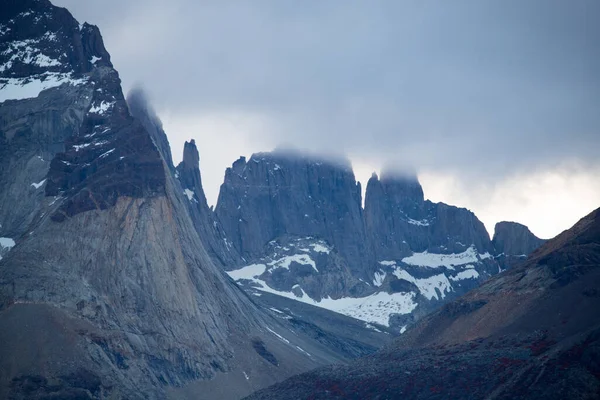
[482, 91]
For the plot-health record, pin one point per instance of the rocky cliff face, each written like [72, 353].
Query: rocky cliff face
[531, 332]
[45, 50]
[189, 177]
[141, 110]
[436, 251]
[282, 193]
[513, 243]
[107, 288]
[401, 221]
[211, 232]
[300, 226]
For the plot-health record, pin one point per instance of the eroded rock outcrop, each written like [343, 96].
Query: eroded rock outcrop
[299, 224]
[108, 289]
[400, 221]
[513, 243]
[286, 193]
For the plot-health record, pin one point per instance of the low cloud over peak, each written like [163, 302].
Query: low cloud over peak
[485, 91]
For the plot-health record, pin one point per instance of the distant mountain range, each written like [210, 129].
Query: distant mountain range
[299, 227]
[117, 280]
[531, 332]
[108, 288]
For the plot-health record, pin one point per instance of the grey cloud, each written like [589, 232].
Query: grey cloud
[480, 87]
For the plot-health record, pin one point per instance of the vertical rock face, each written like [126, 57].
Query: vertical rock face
[211, 232]
[513, 243]
[140, 109]
[44, 48]
[107, 288]
[514, 239]
[401, 221]
[189, 172]
[436, 251]
[277, 194]
[301, 228]
[110, 287]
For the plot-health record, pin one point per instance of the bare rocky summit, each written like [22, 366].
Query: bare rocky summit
[109, 286]
[513, 243]
[299, 224]
[117, 280]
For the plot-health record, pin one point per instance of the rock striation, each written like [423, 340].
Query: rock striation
[287, 193]
[401, 221]
[299, 224]
[513, 243]
[211, 232]
[108, 288]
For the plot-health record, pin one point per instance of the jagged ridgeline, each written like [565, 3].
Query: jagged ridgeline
[111, 278]
[298, 223]
[532, 332]
[116, 275]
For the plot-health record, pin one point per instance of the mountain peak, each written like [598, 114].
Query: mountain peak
[191, 157]
[296, 157]
[44, 46]
[514, 239]
[401, 188]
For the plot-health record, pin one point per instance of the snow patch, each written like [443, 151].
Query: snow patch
[103, 107]
[422, 222]
[49, 36]
[303, 351]
[278, 335]
[78, 147]
[31, 87]
[189, 194]
[466, 274]
[107, 153]
[249, 272]
[375, 308]
[387, 263]
[319, 248]
[39, 184]
[7, 243]
[372, 327]
[26, 52]
[379, 278]
[298, 258]
[427, 286]
[433, 260]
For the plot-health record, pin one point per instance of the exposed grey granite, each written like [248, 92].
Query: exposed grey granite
[110, 291]
[400, 221]
[286, 193]
[513, 243]
[514, 239]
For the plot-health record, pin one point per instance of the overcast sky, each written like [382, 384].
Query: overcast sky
[494, 103]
